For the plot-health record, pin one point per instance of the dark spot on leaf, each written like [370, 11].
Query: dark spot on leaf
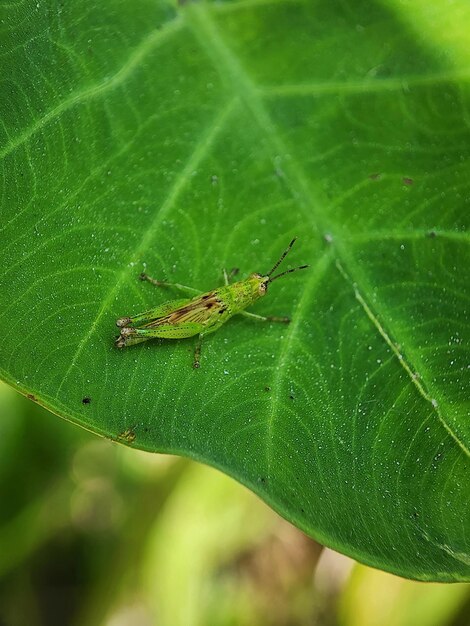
[407, 181]
[291, 396]
[375, 176]
[32, 397]
[267, 388]
[86, 400]
[262, 479]
[431, 234]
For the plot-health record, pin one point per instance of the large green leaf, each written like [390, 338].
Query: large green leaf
[187, 139]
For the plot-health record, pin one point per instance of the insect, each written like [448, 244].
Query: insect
[202, 314]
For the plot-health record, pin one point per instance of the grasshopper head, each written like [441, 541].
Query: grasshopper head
[259, 284]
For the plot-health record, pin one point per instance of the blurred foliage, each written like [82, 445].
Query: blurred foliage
[93, 533]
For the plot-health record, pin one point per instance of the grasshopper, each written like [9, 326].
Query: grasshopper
[204, 313]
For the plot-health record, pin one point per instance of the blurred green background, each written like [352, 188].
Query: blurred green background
[93, 533]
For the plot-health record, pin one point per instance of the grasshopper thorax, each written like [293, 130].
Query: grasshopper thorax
[247, 291]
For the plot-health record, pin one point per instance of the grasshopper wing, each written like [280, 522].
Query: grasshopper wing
[199, 310]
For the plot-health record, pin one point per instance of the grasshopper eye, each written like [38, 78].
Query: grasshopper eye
[263, 287]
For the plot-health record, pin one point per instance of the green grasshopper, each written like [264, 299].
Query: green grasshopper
[201, 315]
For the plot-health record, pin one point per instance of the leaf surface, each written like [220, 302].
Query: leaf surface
[182, 140]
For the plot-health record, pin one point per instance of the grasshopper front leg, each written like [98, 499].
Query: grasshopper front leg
[262, 318]
[233, 272]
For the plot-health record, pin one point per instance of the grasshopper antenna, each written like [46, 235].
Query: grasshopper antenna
[294, 269]
[283, 256]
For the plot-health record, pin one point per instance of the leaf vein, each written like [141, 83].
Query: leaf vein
[156, 38]
[401, 359]
[181, 180]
